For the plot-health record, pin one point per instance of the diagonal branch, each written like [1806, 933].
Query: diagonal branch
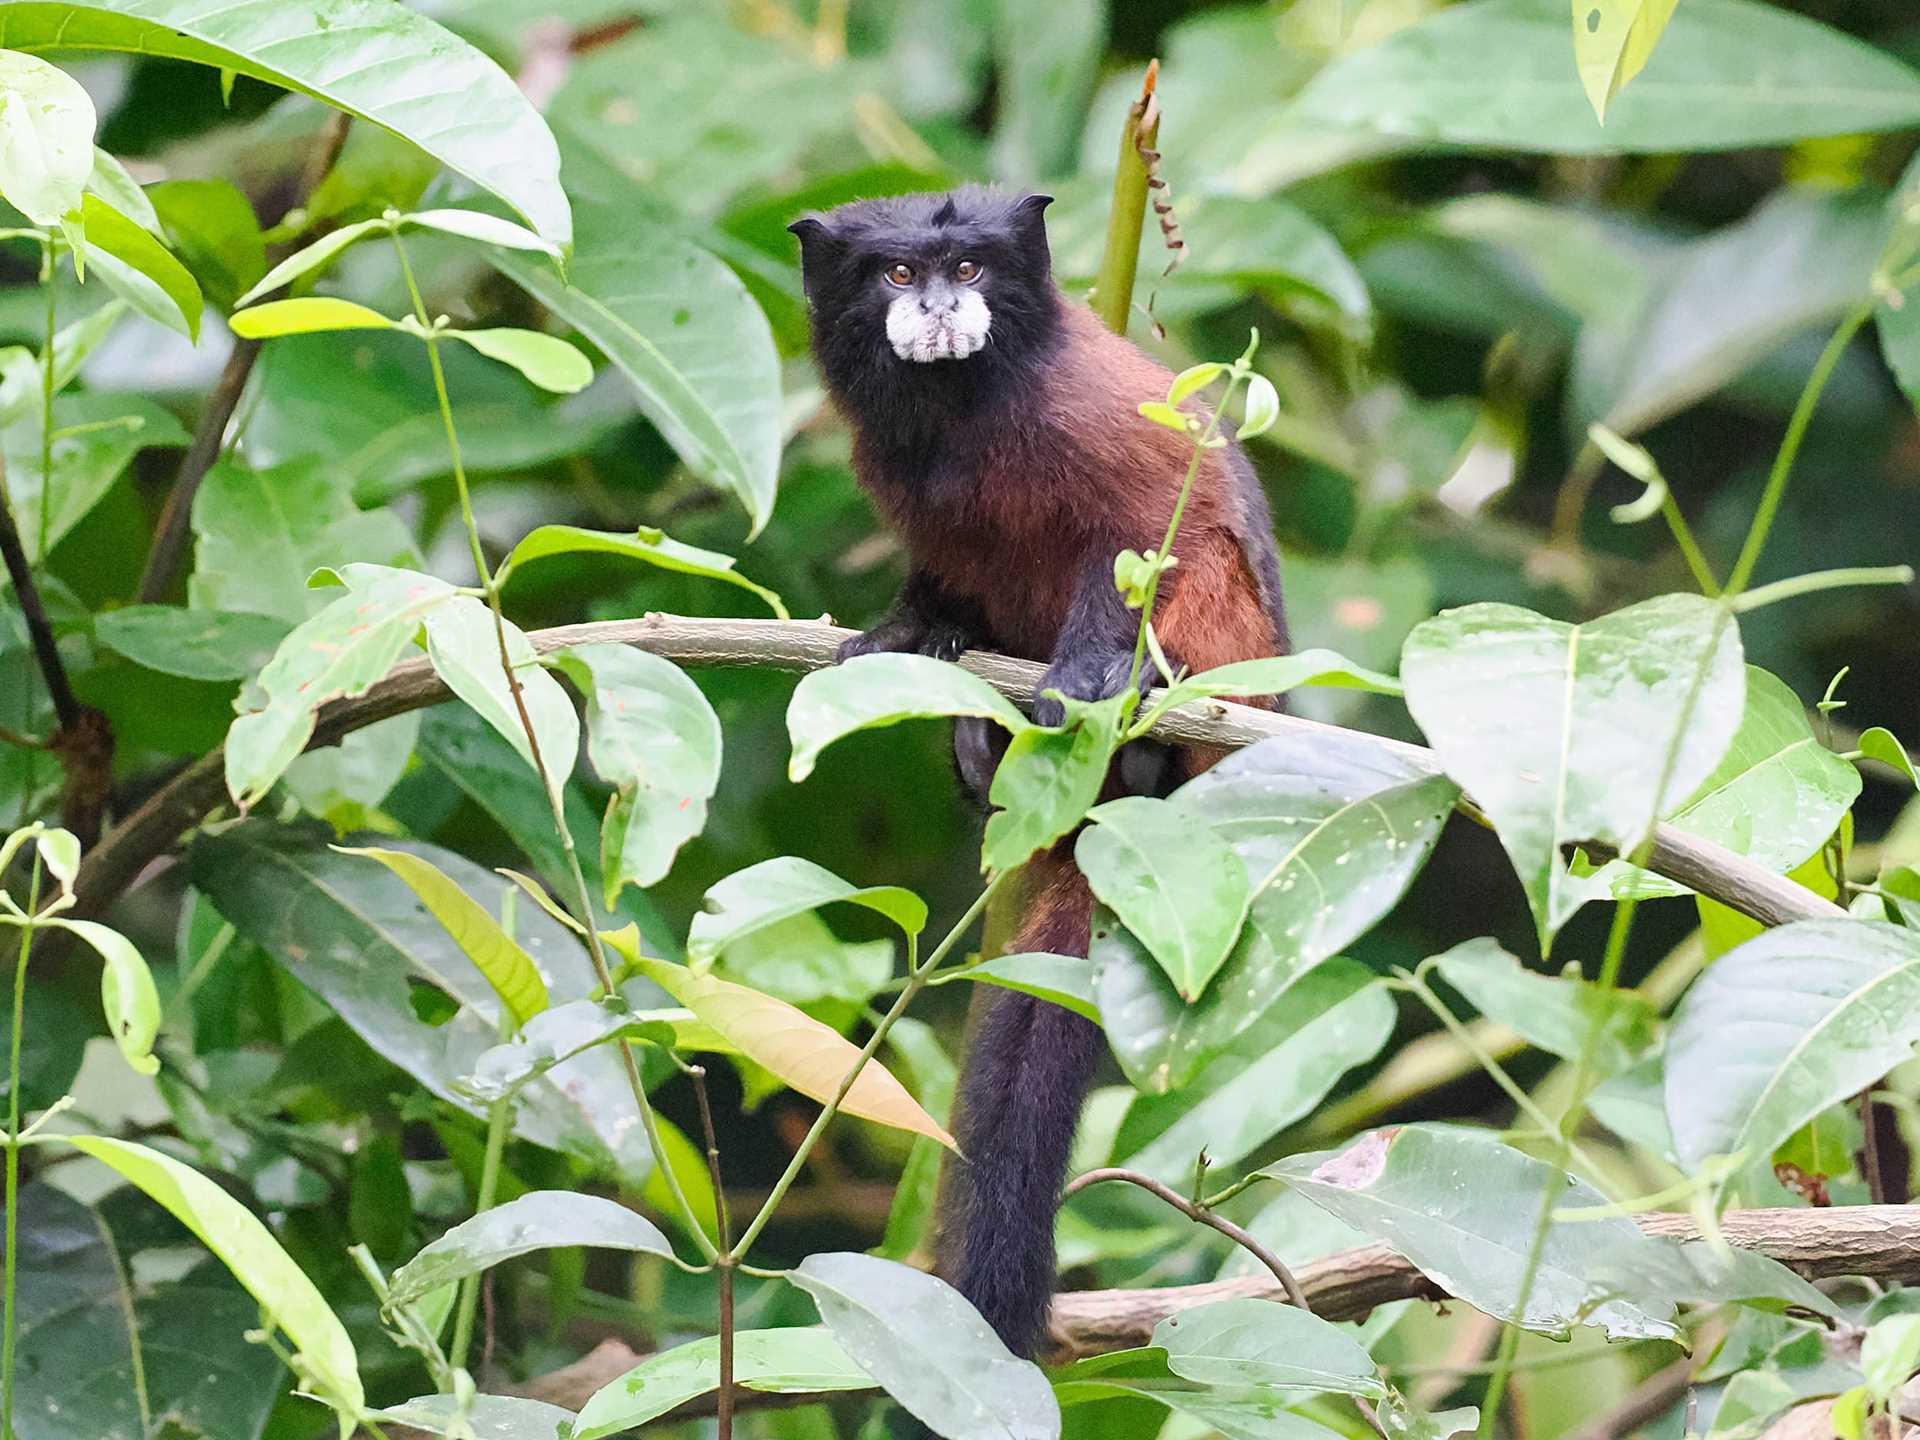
[802, 645]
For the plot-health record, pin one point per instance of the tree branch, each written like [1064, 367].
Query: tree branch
[801, 645]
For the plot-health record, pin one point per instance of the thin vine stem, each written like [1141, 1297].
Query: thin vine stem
[7, 1319]
[499, 1116]
[919, 973]
[583, 895]
[48, 273]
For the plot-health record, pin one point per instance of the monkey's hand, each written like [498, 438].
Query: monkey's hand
[1144, 767]
[910, 634]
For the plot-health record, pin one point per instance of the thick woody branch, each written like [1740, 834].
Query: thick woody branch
[802, 645]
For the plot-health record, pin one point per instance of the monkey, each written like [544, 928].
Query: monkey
[995, 427]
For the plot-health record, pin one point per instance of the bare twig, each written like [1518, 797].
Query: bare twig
[170, 534]
[803, 645]
[1201, 1215]
[726, 1262]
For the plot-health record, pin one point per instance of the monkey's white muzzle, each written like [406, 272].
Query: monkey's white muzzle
[951, 334]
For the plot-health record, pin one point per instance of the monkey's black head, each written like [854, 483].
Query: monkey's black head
[922, 294]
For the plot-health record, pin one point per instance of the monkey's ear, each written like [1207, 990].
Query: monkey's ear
[1033, 207]
[818, 247]
[1030, 223]
[809, 228]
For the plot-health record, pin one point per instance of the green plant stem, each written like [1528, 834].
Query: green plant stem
[499, 1114]
[919, 972]
[1819, 580]
[48, 273]
[583, 895]
[1783, 462]
[7, 1316]
[1689, 547]
[1120, 260]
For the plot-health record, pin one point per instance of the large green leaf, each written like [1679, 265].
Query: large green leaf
[1049, 57]
[1555, 1012]
[1065, 980]
[651, 547]
[1331, 829]
[1262, 1342]
[538, 1220]
[652, 736]
[1170, 879]
[929, 1349]
[193, 644]
[876, 690]
[683, 329]
[1569, 733]
[287, 1297]
[466, 641]
[776, 890]
[46, 138]
[775, 1361]
[96, 436]
[1048, 780]
[482, 1417]
[1784, 1026]
[211, 224]
[400, 70]
[359, 938]
[1729, 74]
[140, 269]
[1463, 1208]
[1241, 1412]
[1336, 1017]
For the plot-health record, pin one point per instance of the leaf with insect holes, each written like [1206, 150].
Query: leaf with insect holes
[340, 651]
[652, 736]
[46, 137]
[870, 691]
[813, 1058]
[653, 547]
[305, 317]
[288, 1299]
[508, 968]
[1612, 42]
[546, 360]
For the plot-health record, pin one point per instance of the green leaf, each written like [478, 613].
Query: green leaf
[1263, 1343]
[1555, 1012]
[1784, 1026]
[1331, 829]
[807, 1055]
[193, 644]
[1565, 733]
[1048, 780]
[487, 229]
[874, 690]
[1463, 1209]
[1192, 380]
[1883, 745]
[654, 547]
[1336, 1017]
[248, 1249]
[775, 890]
[804, 963]
[559, 1034]
[800, 1359]
[539, 1220]
[1699, 1272]
[464, 641]
[1240, 1413]
[102, 433]
[406, 74]
[46, 136]
[1166, 415]
[508, 968]
[212, 227]
[684, 331]
[111, 182]
[1171, 880]
[23, 374]
[304, 317]
[1048, 57]
[1890, 1353]
[487, 1417]
[1262, 408]
[127, 993]
[1731, 74]
[360, 940]
[1065, 980]
[546, 360]
[1612, 42]
[114, 241]
[342, 651]
[1277, 674]
[929, 1349]
[652, 736]
[311, 257]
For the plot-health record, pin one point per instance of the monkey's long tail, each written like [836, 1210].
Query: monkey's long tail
[1026, 1076]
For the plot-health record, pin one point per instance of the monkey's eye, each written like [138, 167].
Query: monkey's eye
[966, 272]
[900, 273]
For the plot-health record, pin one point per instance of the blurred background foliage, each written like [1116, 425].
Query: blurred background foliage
[1443, 320]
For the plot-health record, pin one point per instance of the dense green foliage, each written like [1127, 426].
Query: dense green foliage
[378, 1050]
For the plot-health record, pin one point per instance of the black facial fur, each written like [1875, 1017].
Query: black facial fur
[845, 253]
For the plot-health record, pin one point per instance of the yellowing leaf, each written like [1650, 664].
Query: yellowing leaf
[508, 968]
[1612, 42]
[304, 317]
[812, 1058]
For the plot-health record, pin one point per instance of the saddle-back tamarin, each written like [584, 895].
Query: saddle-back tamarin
[996, 425]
